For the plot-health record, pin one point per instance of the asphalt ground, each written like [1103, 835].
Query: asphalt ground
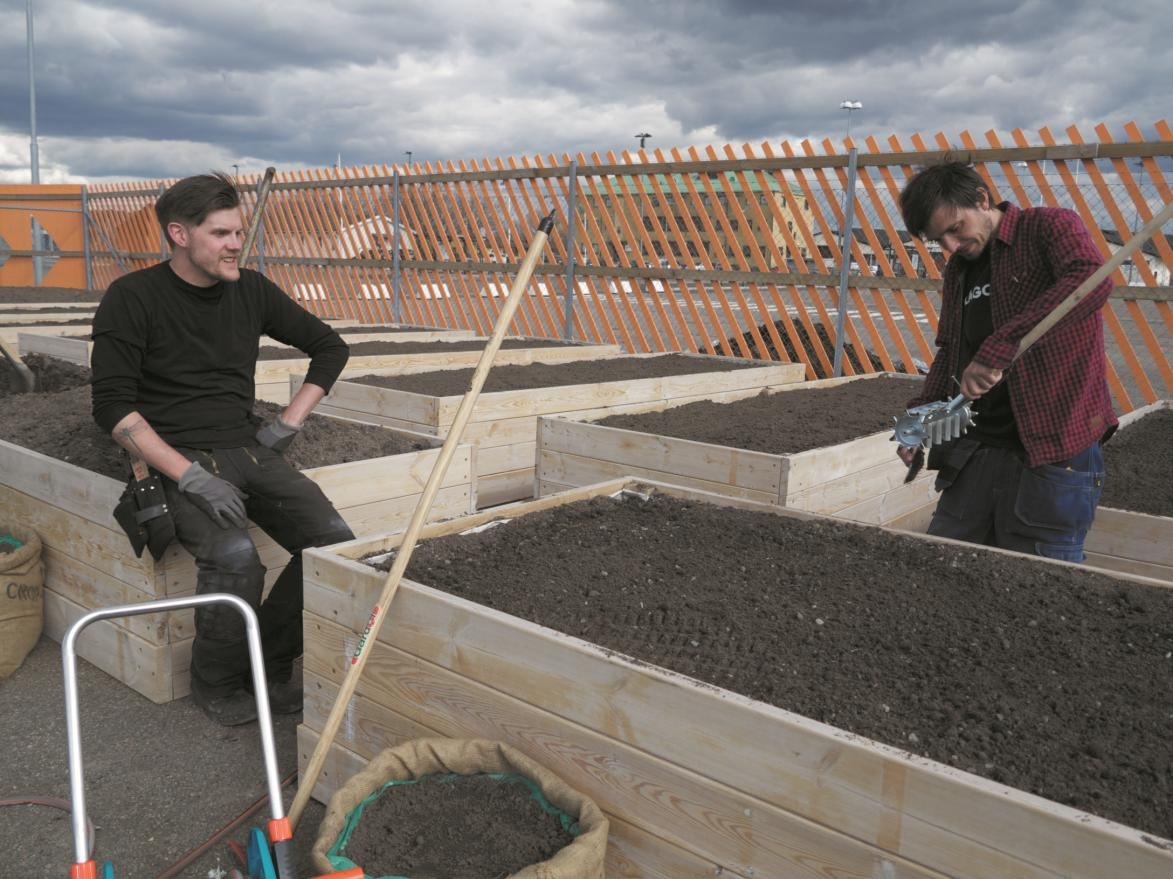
[160, 780]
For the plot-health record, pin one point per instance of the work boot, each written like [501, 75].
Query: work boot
[236, 708]
[284, 697]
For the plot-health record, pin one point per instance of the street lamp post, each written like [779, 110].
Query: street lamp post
[408, 154]
[34, 159]
[849, 106]
[643, 136]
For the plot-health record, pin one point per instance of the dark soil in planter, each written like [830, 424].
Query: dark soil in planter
[454, 382]
[1138, 466]
[376, 328]
[48, 294]
[81, 321]
[392, 348]
[1046, 677]
[472, 827]
[850, 355]
[59, 424]
[782, 422]
[51, 375]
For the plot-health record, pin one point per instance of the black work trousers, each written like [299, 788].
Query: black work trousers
[293, 511]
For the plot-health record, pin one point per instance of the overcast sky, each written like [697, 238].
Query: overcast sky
[145, 89]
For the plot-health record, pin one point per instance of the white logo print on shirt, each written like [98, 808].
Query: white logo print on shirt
[976, 292]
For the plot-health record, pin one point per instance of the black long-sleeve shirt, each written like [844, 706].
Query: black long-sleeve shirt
[184, 357]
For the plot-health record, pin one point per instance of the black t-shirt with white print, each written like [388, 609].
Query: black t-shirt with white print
[994, 419]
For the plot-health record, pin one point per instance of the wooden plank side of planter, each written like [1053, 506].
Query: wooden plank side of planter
[71, 350]
[102, 548]
[11, 335]
[880, 486]
[569, 448]
[157, 671]
[895, 504]
[92, 588]
[912, 808]
[681, 810]
[1128, 541]
[83, 492]
[427, 361]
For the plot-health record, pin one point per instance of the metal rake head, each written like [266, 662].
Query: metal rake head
[933, 423]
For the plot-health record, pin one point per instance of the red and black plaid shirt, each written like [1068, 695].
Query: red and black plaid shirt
[1058, 389]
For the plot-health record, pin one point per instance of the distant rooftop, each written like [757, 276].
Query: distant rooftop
[657, 184]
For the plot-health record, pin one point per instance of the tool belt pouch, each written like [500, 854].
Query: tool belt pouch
[949, 459]
[939, 453]
[143, 513]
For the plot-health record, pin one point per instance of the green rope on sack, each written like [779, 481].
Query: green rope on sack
[11, 541]
[341, 862]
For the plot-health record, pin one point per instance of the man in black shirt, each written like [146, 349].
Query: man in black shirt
[174, 359]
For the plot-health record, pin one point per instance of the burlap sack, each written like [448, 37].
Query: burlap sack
[22, 604]
[582, 859]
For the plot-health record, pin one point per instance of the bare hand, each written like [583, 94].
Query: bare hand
[978, 379]
[906, 453]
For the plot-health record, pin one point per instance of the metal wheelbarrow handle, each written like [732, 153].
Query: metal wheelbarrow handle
[279, 827]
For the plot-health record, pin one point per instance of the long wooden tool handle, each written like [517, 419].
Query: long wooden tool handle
[1060, 311]
[407, 545]
[254, 222]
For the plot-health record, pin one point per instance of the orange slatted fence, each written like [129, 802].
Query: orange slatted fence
[733, 250]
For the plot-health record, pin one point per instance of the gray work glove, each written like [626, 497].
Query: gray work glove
[217, 497]
[277, 435]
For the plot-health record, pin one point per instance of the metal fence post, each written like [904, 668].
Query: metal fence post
[260, 229]
[38, 258]
[846, 238]
[571, 219]
[85, 236]
[395, 247]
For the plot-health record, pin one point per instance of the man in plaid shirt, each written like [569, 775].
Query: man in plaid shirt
[1027, 476]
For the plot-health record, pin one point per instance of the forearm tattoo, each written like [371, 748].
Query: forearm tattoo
[126, 437]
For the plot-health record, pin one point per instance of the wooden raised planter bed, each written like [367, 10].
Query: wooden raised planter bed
[77, 349]
[861, 479]
[1119, 540]
[696, 780]
[11, 335]
[503, 424]
[10, 319]
[1125, 540]
[89, 563]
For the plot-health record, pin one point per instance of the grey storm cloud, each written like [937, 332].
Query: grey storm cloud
[143, 89]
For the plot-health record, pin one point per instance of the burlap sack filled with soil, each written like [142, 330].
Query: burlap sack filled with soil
[582, 859]
[22, 578]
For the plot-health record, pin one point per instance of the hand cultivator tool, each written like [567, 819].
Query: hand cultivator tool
[933, 423]
[269, 857]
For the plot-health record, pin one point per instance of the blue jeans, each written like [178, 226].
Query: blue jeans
[293, 511]
[996, 500]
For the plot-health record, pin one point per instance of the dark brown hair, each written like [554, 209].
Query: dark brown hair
[190, 200]
[953, 183]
